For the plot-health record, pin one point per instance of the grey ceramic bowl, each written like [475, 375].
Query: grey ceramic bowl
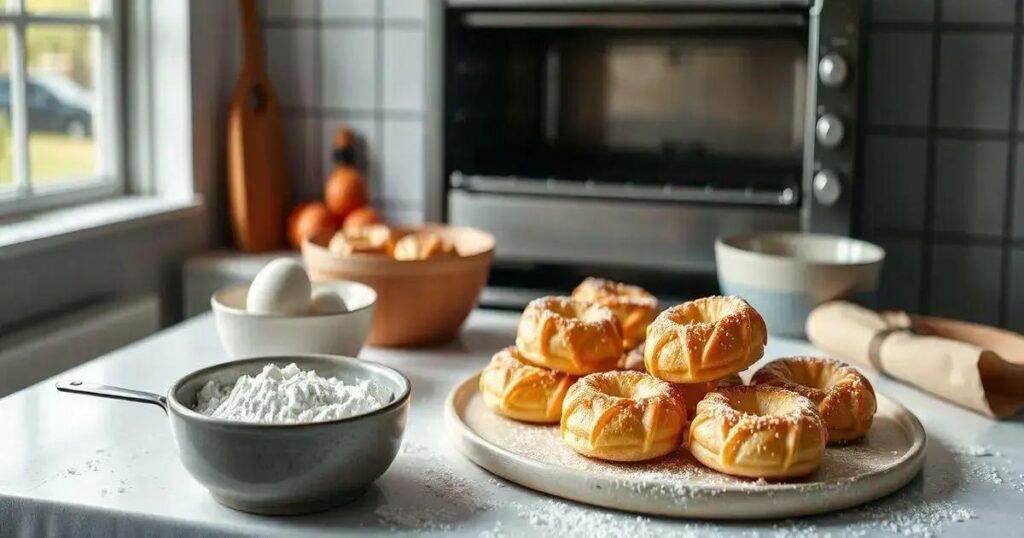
[786, 275]
[278, 469]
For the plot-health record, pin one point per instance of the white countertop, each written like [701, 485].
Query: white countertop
[72, 464]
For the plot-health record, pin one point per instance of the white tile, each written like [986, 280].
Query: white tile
[349, 9]
[366, 148]
[348, 71]
[301, 145]
[291, 59]
[403, 69]
[403, 215]
[404, 9]
[289, 9]
[402, 160]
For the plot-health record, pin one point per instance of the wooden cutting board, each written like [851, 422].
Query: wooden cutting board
[257, 178]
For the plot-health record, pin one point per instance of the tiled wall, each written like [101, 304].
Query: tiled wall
[361, 63]
[943, 156]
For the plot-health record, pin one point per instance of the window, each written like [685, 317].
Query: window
[60, 108]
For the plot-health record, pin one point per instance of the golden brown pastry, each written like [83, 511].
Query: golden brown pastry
[515, 389]
[422, 246]
[704, 340]
[370, 239]
[569, 336]
[623, 416]
[845, 398]
[693, 393]
[634, 307]
[758, 431]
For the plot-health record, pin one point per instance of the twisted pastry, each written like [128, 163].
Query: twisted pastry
[634, 307]
[569, 336]
[517, 390]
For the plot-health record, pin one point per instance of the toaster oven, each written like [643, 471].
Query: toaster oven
[631, 134]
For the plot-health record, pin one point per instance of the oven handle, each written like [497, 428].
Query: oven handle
[695, 20]
[785, 197]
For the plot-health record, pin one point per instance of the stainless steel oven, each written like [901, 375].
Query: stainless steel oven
[632, 133]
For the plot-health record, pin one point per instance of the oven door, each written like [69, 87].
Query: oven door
[676, 125]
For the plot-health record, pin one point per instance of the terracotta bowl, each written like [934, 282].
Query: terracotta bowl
[419, 302]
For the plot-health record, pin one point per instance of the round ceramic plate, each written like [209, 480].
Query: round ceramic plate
[676, 485]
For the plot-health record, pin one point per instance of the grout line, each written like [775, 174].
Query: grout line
[281, 22]
[948, 238]
[955, 133]
[377, 171]
[925, 299]
[944, 27]
[355, 113]
[317, 139]
[1011, 170]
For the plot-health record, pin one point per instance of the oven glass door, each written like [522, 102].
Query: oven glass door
[707, 102]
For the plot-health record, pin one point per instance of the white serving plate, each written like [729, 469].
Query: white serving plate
[676, 485]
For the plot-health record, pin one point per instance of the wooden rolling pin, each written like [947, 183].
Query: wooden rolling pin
[257, 177]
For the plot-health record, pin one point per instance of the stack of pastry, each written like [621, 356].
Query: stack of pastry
[380, 239]
[692, 353]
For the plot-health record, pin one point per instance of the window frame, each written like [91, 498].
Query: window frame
[107, 117]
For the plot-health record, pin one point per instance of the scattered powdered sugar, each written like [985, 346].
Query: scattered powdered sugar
[289, 395]
[978, 451]
[436, 500]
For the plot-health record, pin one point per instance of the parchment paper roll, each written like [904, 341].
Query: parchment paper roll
[975, 366]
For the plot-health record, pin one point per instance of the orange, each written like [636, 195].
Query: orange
[307, 220]
[344, 192]
[363, 216]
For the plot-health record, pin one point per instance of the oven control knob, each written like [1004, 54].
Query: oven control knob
[827, 187]
[832, 70]
[829, 130]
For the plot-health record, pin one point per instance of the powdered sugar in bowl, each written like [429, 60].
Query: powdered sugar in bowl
[313, 447]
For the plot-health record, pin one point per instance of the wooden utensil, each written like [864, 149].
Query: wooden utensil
[257, 178]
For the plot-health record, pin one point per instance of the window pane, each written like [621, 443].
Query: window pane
[61, 103]
[77, 7]
[6, 138]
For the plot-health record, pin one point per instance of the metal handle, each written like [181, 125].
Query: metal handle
[117, 393]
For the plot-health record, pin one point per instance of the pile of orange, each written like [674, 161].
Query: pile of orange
[344, 206]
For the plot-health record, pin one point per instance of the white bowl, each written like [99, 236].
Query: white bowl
[786, 275]
[249, 335]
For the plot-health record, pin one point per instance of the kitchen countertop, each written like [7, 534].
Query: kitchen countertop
[71, 463]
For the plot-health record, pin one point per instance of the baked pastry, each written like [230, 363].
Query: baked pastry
[693, 393]
[845, 398]
[704, 340]
[514, 389]
[370, 239]
[634, 307]
[758, 431]
[569, 336]
[632, 359]
[623, 416]
[422, 246]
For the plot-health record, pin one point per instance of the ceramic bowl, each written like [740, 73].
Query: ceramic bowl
[279, 469]
[420, 302]
[250, 335]
[785, 275]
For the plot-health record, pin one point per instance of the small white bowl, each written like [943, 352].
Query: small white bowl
[786, 275]
[249, 335]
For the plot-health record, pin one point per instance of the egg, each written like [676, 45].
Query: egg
[282, 288]
[327, 302]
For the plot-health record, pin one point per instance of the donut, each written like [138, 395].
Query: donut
[623, 416]
[569, 336]
[634, 307]
[423, 246]
[520, 391]
[693, 393]
[370, 239]
[758, 431]
[704, 340]
[845, 398]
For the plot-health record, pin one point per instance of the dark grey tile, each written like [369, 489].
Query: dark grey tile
[974, 82]
[970, 186]
[899, 78]
[894, 178]
[290, 58]
[1018, 195]
[1016, 291]
[903, 10]
[900, 286]
[966, 282]
[978, 10]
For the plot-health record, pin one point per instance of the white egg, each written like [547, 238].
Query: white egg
[327, 302]
[282, 287]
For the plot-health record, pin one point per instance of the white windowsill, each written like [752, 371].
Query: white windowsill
[52, 228]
